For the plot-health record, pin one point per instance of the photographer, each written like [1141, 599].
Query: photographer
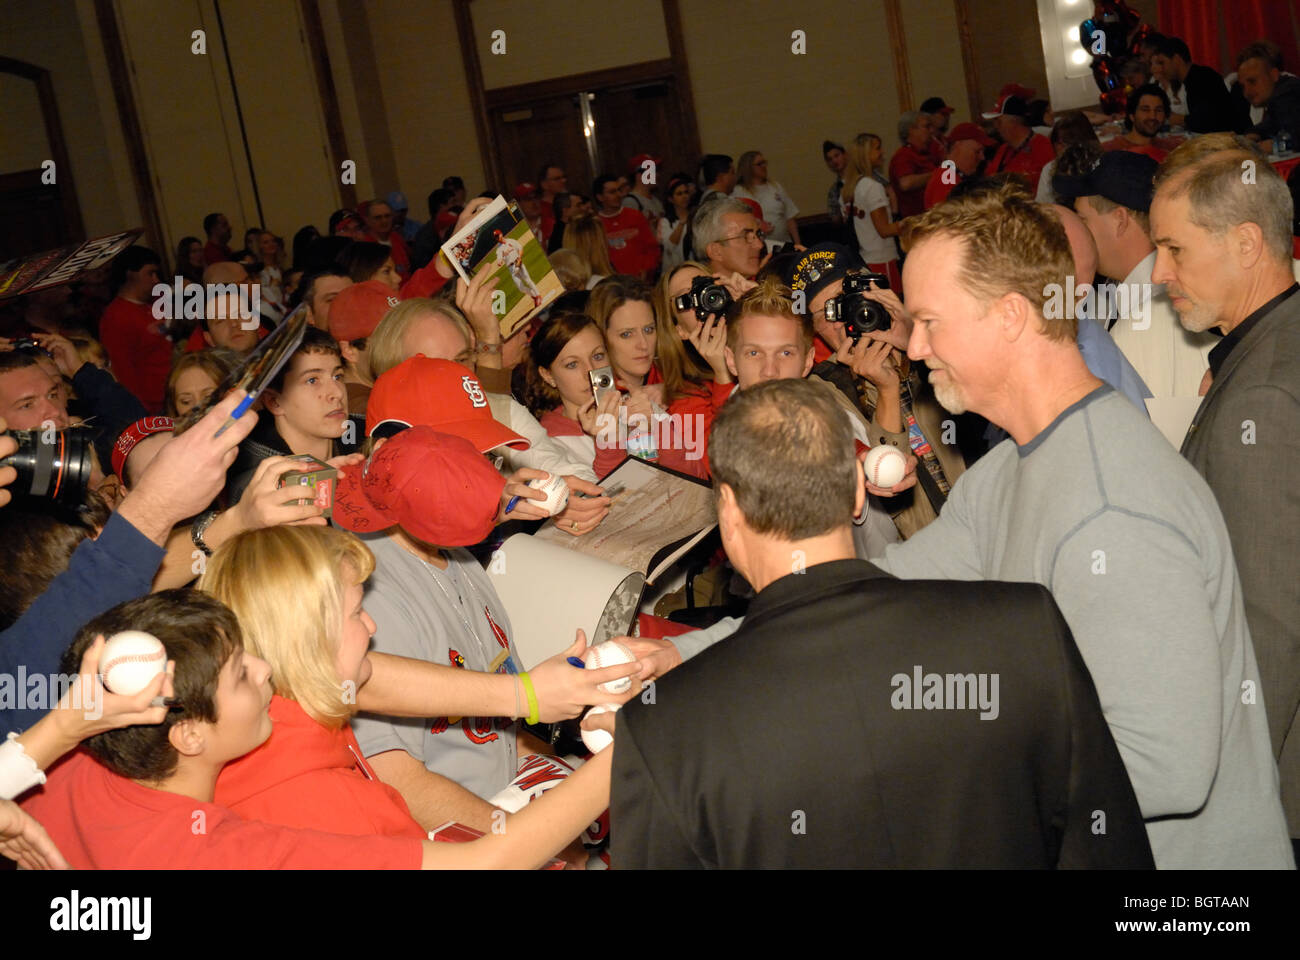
[874, 373]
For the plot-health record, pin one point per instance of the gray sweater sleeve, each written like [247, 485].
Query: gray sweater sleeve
[1133, 592]
[697, 641]
[947, 549]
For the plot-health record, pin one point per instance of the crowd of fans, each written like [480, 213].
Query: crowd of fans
[337, 689]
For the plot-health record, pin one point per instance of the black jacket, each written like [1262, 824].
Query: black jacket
[786, 745]
[1209, 104]
[265, 441]
[1282, 112]
[108, 407]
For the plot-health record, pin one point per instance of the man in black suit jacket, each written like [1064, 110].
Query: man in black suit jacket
[1209, 104]
[1224, 251]
[830, 731]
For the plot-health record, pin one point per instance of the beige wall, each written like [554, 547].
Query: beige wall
[1008, 46]
[541, 41]
[426, 100]
[48, 33]
[934, 54]
[751, 92]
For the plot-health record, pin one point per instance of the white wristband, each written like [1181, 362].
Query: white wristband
[18, 771]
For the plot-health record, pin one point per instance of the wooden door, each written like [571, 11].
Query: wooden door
[548, 130]
[642, 118]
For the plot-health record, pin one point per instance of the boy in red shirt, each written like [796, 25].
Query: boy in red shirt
[138, 350]
[142, 797]
[633, 249]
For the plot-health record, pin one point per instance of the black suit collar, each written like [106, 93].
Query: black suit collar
[799, 589]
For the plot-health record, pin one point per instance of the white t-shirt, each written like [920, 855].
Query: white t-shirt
[869, 195]
[777, 206]
[674, 253]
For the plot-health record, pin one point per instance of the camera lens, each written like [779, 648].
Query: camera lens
[58, 470]
[715, 299]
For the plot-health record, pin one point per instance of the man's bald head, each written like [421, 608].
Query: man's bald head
[225, 271]
[1082, 246]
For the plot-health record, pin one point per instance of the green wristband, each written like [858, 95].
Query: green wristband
[531, 694]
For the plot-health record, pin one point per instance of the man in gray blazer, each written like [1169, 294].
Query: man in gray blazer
[1221, 223]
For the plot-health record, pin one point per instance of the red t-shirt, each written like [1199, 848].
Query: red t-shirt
[633, 249]
[141, 356]
[1027, 160]
[215, 252]
[100, 821]
[314, 777]
[936, 191]
[1146, 149]
[905, 162]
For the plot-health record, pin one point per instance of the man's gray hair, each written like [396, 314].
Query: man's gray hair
[906, 122]
[707, 227]
[1219, 197]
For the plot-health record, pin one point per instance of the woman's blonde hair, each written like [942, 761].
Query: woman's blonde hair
[858, 164]
[286, 585]
[385, 344]
[683, 369]
[571, 268]
[585, 237]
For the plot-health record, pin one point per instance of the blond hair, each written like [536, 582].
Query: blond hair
[286, 585]
[386, 342]
[771, 298]
[585, 237]
[571, 268]
[1010, 244]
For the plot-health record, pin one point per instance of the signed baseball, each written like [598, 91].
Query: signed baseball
[884, 466]
[130, 661]
[598, 740]
[610, 654]
[556, 490]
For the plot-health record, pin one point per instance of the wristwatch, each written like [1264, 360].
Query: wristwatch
[200, 527]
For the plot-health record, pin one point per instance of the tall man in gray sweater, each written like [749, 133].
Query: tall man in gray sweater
[1088, 499]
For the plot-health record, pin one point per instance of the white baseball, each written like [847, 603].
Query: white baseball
[130, 661]
[556, 490]
[610, 654]
[884, 465]
[598, 740]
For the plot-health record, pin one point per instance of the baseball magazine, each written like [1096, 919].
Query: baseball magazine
[499, 241]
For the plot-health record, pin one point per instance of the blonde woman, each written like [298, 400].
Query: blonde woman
[586, 237]
[867, 208]
[297, 593]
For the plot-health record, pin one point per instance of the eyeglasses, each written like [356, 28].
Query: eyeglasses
[749, 236]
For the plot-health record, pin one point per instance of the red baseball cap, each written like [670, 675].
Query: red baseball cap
[757, 210]
[526, 191]
[639, 160]
[420, 392]
[435, 486]
[357, 309]
[970, 131]
[128, 438]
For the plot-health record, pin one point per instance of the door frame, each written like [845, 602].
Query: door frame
[64, 180]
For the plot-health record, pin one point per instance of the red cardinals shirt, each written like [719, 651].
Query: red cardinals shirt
[141, 356]
[1028, 159]
[905, 162]
[633, 249]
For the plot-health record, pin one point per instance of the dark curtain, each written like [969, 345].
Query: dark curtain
[1197, 22]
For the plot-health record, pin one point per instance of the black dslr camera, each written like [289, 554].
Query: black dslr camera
[56, 467]
[706, 296]
[858, 314]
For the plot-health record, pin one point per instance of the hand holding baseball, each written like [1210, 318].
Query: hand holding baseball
[517, 486]
[564, 691]
[77, 720]
[908, 481]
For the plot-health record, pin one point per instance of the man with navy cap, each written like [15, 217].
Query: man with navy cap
[1113, 201]
[1023, 151]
